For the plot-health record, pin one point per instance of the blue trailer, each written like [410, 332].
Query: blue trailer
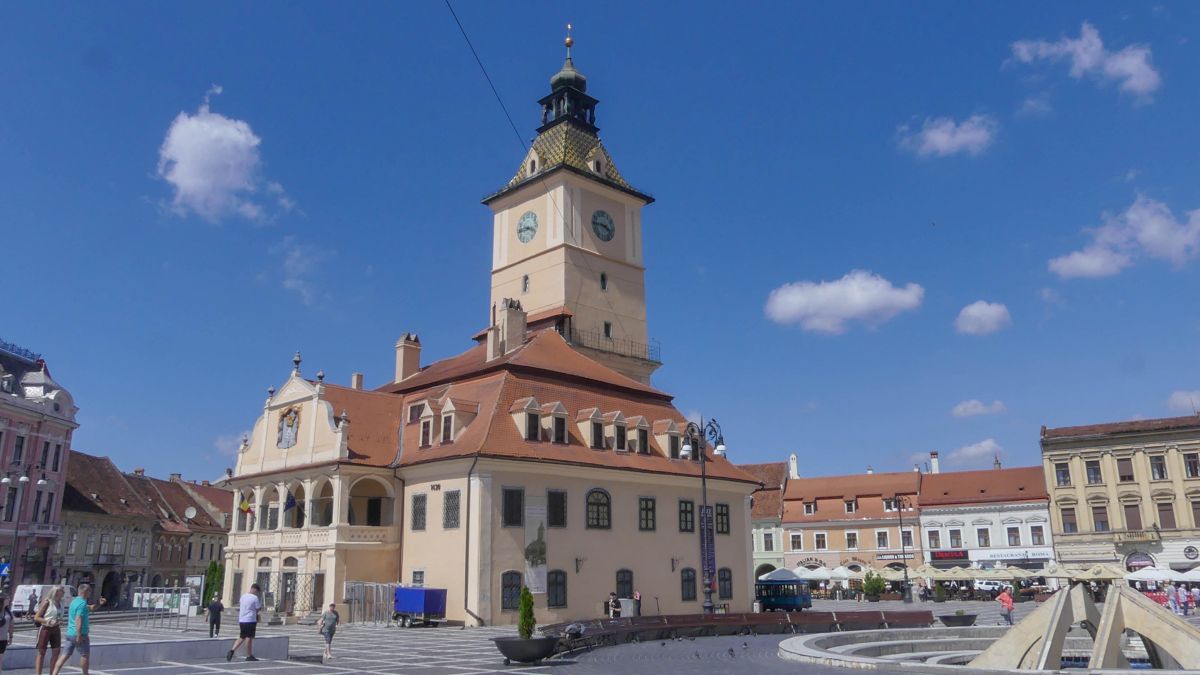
[417, 604]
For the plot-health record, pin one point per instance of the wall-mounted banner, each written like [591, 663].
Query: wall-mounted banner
[535, 543]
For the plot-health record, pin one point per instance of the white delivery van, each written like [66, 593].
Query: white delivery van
[20, 597]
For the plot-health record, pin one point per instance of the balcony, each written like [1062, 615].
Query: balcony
[1130, 536]
[619, 346]
[109, 558]
[308, 538]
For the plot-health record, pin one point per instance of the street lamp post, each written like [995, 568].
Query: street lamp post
[695, 436]
[22, 481]
[901, 502]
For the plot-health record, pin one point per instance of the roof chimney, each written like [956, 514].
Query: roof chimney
[408, 356]
[996, 463]
[916, 468]
[176, 477]
[793, 468]
[508, 328]
[356, 381]
[933, 462]
[870, 470]
[139, 472]
[205, 483]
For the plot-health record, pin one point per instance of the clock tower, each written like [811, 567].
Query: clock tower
[567, 235]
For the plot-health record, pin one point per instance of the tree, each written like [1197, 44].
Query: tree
[214, 578]
[873, 585]
[525, 620]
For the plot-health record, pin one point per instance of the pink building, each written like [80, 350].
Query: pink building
[37, 418]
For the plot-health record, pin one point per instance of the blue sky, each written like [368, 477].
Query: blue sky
[886, 167]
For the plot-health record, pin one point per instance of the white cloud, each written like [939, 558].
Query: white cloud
[973, 407]
[1146, 228]
[826, 307]
[1131, 67]
[982, 318]
[1050, 296]
[298, 264]
[988, 448]
[1184, 401]
[227, 445]
[943, 136]
[213, 163]
[1035, 106]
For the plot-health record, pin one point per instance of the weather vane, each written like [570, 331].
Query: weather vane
[569, 41]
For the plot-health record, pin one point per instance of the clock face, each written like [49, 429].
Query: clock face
[602, 225]
[527, 227]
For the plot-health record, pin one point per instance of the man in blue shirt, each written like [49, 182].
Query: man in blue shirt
[77, 630]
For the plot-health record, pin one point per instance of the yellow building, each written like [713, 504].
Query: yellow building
[1125, 492]
[539, 457]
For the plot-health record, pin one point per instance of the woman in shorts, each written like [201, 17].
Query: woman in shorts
[6, 628]
[327, 626]
[48, 617]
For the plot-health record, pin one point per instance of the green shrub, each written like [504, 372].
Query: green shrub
[525, 620]
[959, 612]
[939, 592]
[873, 585]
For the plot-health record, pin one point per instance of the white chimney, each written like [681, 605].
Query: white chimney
[870, 470]
[793, 468]
[933, 462]
[508, 328]
[408, 356]
[916, 468]
[356, 381]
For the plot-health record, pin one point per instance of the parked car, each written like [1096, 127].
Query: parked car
[20, 597]
[989, 585]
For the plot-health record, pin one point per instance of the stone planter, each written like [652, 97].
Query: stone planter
[521, 650]
[957, 620]
[872, 598]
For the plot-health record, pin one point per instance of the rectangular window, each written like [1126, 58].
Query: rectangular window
[725, 583]
[447, 428]
[906, 538]
[72, 542]
[533, 427]
[513, 512]
[646, 514]
[37, 506]
[1062, 474]
[889, 504]
[556, 508]
[983, 537]
[722, 518]
[1100, 518]
[687, 584]
[687, 516]
[935, 539]
[418, 512]
[1196, 513]
[881, 540]
[955, 538]
[619, 435]
[1094, 475]
[1070, 525]
[45, 454]
[1158, 467]
[851, 505]
[643, 442]
[91, 545]
[18, 450]
[451, 509]
[414, 412]
[1124, 470]
[425, 434]
[768, 541]
[418, 578]
[608, 329]
[820, 542]
[1133, 517]
[57, 456]
[189, 555]
[510, 591]
[1191, 465]
[556, 589]
[104, 544]
[1014, 536]
[810, 508]
[48, 511]
[797, 541]
[674, 443]
[560, 430]
[598, 435]
[852, 541]
[1166, 515]
[1037, 533]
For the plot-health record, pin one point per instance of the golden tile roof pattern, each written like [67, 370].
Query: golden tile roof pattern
[568, 145]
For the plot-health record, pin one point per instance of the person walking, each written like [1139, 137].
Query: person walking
[214, 617]
[47, 618]
[327, 625]
[78, 630]
[1006, 605]
[1172, 599]
[6, 628]
[614, 606]
[1182, 598]
[249, 605]
[33, 602]
[1196, 597]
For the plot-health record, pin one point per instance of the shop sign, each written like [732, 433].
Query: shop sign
[1013, 554]
[1137, 560]
[894, 556]
[1191, 552]
[947, 555]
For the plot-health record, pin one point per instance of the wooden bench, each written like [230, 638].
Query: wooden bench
[872, 620]
[812, 622]
[908, 619]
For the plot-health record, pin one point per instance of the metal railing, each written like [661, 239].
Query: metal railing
[620, 346]
[290, 593]
[370, 602]
[162, 607]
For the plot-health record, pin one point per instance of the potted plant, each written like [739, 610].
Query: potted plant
[873, 586]
[939, 593]
[958, 619]
[525, 648]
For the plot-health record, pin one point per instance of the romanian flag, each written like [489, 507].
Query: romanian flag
[244, 506]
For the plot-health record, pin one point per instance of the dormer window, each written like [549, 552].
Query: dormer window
[414, 412]
[560, 429]
[851, 505]
[532, 166]
[426, 433]
[810, 508]
[447, 428]
[619, 437]
[674, 443]
[533, 427]
[643, 442]
[525, 284]
[598, 435]
[603, 281]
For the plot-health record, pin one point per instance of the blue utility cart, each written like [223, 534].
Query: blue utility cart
[417, 604]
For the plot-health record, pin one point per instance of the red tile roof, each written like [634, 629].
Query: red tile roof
[220, 498]
[768, 500]
[1130, 427]
[156, 503]
[1019, 484]
[831, 491]
[374, 423]
[96, 485]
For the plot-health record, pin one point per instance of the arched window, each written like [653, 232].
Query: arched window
[510, 591]
[370, 504]
[599, 510]
[624, 583]
[687, 584]
[264, 562]
[556, 588]
[525, 284]
[603, 281]
[290, 562]
[725, 583]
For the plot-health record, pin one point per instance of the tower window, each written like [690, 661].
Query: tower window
[525, 284]
[598, 166]
[608, 329]
[603, 281]
[533, 166]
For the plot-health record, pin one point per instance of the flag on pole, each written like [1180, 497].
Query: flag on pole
[244, 507]
[290, 502]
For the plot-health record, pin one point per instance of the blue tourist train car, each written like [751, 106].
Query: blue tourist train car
[414, 603]
[787, 595]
